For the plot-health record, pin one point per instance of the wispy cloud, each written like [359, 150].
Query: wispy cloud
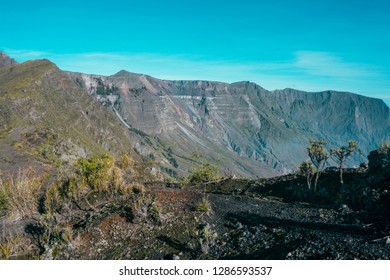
[330, 65]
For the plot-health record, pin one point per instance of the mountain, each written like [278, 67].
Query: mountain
[45, 118]
[171, 131]
[52, 208]
[247, 129]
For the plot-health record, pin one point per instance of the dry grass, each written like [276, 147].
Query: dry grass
[204, 205]
[19, 194]
[12, 247]
[116, 178]
[52, 199]
[137, 188]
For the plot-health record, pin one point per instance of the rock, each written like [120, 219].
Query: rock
[175, 257]
[379, 163]
[343, 208]
[5, 60]
[69, 152]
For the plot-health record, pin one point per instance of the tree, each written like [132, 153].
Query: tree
[307, 170]
[318, 156]
[342, 154]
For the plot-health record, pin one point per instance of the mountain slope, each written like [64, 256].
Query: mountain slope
[147, 105]
[253, 131]
[5, 60]
[44, 116]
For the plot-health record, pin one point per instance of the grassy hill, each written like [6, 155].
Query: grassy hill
[45, 117]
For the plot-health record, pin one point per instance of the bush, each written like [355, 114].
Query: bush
[384, 148]
[144, 205]
[204, 205]
[204, 173]
[97, 179]
[125, 162]
[95, 172]
[137, 188]
[154, 212]
[206, 237]
[116, 181]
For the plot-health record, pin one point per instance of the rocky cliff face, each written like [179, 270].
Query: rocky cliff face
[5, 60]
[249, 130]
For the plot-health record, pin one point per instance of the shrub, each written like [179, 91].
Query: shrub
[127, 189]
[204, 205]
[205, 172]
[154, 212]
[50, 236]
[144, 204]
[116, 181]
[46, 151]
[97, 179]
[384, 148]
[137, 188]
[69, 188]
[125, 162]
[206, 237]
[95, 172]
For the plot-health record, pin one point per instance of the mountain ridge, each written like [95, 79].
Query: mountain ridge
[5, 60]
[45, 117]
[274, 128]
[245, 129]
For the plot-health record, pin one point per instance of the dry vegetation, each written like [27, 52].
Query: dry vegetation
[55, 203]
[100, 205]
[19, 194]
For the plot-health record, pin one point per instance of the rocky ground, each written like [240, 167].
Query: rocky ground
[236, 226]
[276, 218]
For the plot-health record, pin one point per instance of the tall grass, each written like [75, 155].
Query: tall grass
[19, 194]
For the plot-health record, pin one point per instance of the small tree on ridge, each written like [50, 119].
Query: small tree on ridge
[318, 156]
[342, 154]
[307, 169]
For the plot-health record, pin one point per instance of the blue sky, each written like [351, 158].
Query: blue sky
[309, 45]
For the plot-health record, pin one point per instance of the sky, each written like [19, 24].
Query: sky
[309, 45]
